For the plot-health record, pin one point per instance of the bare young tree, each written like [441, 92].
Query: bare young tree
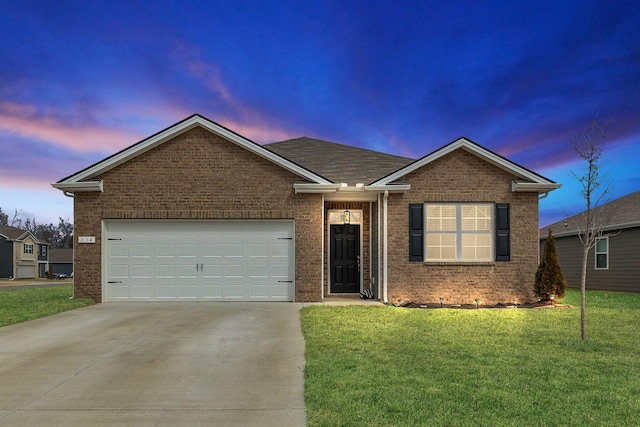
[595, 188]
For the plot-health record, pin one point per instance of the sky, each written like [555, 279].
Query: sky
[82, 80]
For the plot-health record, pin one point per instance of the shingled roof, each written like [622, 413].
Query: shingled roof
[12, 233]
[620, 213]
[338, 163]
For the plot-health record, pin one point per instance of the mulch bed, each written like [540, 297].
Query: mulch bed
[539, 304]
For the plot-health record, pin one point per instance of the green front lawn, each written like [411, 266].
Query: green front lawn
[377, 366]
[27, 304]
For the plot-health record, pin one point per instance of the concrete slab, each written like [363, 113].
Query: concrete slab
[156, 364]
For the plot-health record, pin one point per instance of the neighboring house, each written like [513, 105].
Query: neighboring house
[614, 263]
[198, 212]
[22, 255]
[61, 261]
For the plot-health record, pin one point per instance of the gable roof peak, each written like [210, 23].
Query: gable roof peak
[79, 180]
[489, 156]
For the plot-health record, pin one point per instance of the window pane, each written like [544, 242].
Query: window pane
[601, 261]
[601, 245]
[441, 218]
[441, 246]
[476, 246]
[476, 218]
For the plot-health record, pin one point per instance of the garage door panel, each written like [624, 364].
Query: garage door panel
[187, 292]
[234, 291]
[187, 271]
[141, 291]
[210, 250]
[212, 291]
[141, 271]
[166, 250]
[234, 271]
[281, 291]
[166, 292]
[259, 271]
[119, 292]
[167, 271]
[199, 260]
[259, 291]
[119, 271]
[188, 250]
[259, 250]
[233, 250]
[119, 251]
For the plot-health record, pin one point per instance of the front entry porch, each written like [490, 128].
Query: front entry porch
[351, 250]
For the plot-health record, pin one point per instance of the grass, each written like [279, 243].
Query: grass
[387, 366]
[27, 304]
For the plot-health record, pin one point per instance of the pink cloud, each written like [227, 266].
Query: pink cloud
[26, 121]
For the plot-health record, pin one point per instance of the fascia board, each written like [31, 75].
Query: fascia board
[473, 148]
[179, 128]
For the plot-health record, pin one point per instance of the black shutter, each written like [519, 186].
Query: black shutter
[503, 238]
[416, 232]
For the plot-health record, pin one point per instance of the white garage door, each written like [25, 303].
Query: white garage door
[198, 260]
[26, 272]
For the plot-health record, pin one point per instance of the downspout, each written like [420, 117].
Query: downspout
[543, 195]
[73, 295]
[385, 258]
[322, 253]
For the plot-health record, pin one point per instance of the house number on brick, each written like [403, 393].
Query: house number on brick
[86, 239]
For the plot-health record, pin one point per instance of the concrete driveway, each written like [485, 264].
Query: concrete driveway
[155, 364]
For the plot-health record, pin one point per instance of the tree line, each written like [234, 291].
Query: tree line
[58, 236]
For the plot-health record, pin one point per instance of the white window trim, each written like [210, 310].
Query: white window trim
[24, 248]
[459, 232]
[596, 253]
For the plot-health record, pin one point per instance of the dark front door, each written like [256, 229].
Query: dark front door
[345, 258]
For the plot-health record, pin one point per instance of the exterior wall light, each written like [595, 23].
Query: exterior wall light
[347, 217]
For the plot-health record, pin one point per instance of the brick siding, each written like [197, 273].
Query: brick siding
[199, 175]
[463, 177]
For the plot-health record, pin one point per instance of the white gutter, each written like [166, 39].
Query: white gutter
[385, 259]
[76, 187]
[307, 187]
[304, 187]
[391, 188]
[533, 187]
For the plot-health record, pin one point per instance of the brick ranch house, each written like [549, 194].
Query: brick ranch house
[198, 212]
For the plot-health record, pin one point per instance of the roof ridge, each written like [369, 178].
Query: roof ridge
[308, 138]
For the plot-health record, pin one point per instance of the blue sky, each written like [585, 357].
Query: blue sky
[82, 80]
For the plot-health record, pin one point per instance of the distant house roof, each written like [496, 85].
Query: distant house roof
[620, 213]
[336, 161]
[15, 233]
[61, 256]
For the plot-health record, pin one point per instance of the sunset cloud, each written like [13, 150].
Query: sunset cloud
[26, 121]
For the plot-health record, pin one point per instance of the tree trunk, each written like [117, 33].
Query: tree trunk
[583, 291]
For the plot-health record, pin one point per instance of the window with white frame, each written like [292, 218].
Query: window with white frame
[459, 232]
[28, 248]
[44, 250]
[602, 253]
